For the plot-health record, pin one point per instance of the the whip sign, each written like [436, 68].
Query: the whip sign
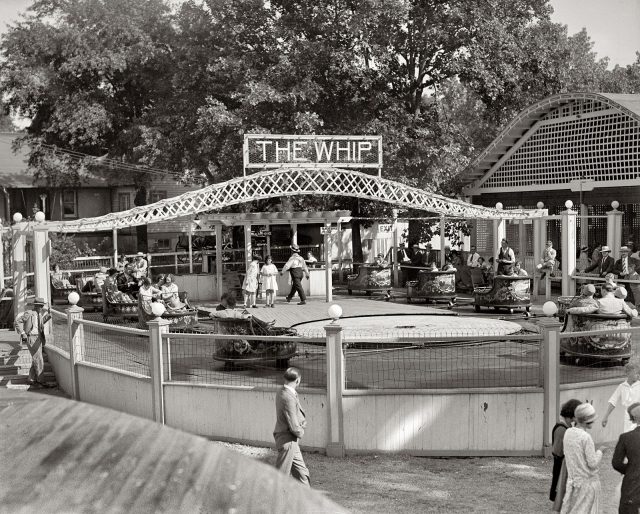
[265, 151]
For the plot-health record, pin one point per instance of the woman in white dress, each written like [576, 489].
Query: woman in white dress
[269, 273]
[147, 293]
[170, 294]
[583, 488]
[250, 283]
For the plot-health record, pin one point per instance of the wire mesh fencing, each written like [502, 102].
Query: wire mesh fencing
[592, 355]
[59, 330]
[244, 360]
[412, 359]
[126, 349]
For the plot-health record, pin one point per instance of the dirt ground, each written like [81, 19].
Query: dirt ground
[396, 483]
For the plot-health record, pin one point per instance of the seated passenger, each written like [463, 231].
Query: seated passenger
[517, 270]
[585, 303]
[126, 282]
[147, 293]
[611, 305]
[60, 279]
[226, 310]
[548, 261]
[99, 278]
[380, 262]
[122, 263]
[110, 283]
[170, 294]
[160, 282]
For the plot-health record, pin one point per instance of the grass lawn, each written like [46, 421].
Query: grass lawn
[396, 483]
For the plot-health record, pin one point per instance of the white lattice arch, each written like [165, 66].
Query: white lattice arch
[289, 182]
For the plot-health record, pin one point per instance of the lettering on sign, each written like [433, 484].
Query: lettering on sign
[282, 151]
[386, 227]
[328, 230]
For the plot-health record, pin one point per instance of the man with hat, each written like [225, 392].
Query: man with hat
[604, 264]
[140, 267]
[623, 268]
[297, 268]
[30, 325]
[99, 278]
[626, 460]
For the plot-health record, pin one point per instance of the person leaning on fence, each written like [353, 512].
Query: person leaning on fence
[603, 265]
[31, 326]
[567, 413]
[297, 268]
[289, 429]
[626, 460]
[627, 393]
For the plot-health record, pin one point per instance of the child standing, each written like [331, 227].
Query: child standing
[269, 272]
[250, 283]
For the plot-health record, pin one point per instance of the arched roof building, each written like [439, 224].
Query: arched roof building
[583, 147]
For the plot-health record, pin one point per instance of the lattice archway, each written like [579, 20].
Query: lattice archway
[290, 182]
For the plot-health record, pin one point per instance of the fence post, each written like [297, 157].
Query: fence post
[159, 372]
[76, 346]
[550, 370]
[335, 388]
[568, 248]
[19, 267]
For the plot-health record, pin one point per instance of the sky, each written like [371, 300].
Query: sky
[614, 25]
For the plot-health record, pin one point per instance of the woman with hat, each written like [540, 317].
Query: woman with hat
[583, 488]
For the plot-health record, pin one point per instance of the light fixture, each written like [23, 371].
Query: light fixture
[334, 312]
[499, 206]
[158, 309]
[568, 204]
[615, 204]
[549, 308]
[39, 216]
[73, 298]
[540, 205]
[17, 217]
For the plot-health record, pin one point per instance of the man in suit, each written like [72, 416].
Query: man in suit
[604, 265]
[290, 425]
[624, 268]
[628, 448]
[31, 327]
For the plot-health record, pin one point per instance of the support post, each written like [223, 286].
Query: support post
[248, 250]
[537, 252]
[159, 355]
[568, 218]
[294, 233]
[340, 272]
[267, 227]
[335, 389]
[327, 262]
[614, 230]
[76, 346]
[114, 237]
[500, 233]
[1, 256]
[41, 262]
[522, 239]
[19, 263]
[550, 370]
[219, 270]
[443, 227]
[190, 239]
[394, 250]
[584, 225]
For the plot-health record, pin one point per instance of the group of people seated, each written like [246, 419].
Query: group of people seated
[612, 302]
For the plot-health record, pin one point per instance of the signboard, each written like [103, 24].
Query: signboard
[328, 230]
[385, 227]
[269, 151]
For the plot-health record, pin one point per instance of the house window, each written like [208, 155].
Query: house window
[156, 196]
[124, 201]
[164, 244]
[69, 204]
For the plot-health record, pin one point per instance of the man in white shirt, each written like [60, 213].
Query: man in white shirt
[297, 268]
[473, 258]
[609, 304]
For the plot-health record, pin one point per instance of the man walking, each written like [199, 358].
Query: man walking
[290, 425]
[626, 460]
[297, 268]
[31, 327]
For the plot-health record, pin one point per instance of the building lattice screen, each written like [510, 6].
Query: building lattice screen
[601, 144]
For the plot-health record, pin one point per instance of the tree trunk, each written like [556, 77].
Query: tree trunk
[356, 239]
